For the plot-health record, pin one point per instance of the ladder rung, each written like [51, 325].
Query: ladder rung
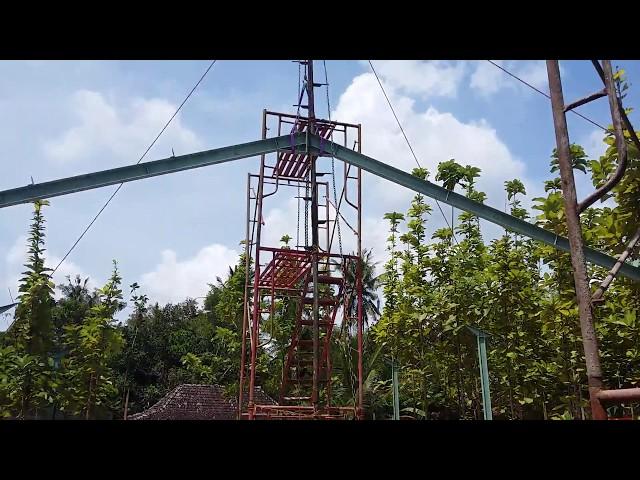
[309, 323]
[321, 301]
[329, 279]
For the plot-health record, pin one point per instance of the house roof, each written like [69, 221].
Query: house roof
[197, 402]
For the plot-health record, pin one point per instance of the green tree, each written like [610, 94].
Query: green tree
[89, 381]
[29, 383]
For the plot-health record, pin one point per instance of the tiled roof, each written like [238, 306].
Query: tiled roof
[197, 402]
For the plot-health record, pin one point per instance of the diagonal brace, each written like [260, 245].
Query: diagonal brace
[486, 212]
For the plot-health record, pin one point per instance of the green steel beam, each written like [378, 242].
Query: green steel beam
[486, 212]
[148, 169]
[114, 176]
[484, 371]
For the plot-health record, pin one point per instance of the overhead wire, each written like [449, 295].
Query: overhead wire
[348, 348]
[84, 232]
[415, 157]
[544, 94]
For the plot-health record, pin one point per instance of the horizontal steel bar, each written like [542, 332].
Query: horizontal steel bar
[486, 212]
[623, 395]
[587, 99]
[130, 173]
[289, 115]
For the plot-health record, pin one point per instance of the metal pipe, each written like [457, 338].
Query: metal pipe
[314, 242]
[484, 376]
[621, 143]
[587, 99]
[245, 313]
[597, 296]
[396, 391]
[359, 291]
[289, 115]
[256, 286]
[623, 395]
[589, 339]
[625, 119]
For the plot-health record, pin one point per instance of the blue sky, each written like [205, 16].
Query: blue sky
[176, 233]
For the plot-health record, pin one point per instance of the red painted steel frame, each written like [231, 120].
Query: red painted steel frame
[281, 273]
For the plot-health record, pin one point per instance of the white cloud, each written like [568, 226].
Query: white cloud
[487, 79]
[435, 137]
[593, 144]
[424, 78]
[121, 131]
[282, 220]
[17, 256]
[173, 280]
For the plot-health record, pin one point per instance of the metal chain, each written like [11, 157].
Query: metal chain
[333, 167]
[348, 348]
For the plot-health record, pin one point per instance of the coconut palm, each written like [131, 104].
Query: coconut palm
[370, 285]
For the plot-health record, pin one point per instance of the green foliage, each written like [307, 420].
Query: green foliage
[577, 155]
[520, 292]
[70, 356]
[28, 381]
[88, 379]
[285, 239]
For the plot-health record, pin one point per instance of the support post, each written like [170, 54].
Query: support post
[256, 316]
[245, 313]
[484, 376]
[314, 243]
[576, 247]
[359, 287]
[396, 390]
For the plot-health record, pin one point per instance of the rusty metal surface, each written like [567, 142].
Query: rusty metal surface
[623, 395]
[621, 143]
[308, 275]
[583, 293]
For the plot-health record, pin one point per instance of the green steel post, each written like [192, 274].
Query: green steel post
[396, 392]
[484, 376]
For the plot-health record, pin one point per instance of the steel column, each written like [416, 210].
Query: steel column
[314, 242]
[484, 376]
[255, 327]
[359, 273]
[245, 308]
[574, 229]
